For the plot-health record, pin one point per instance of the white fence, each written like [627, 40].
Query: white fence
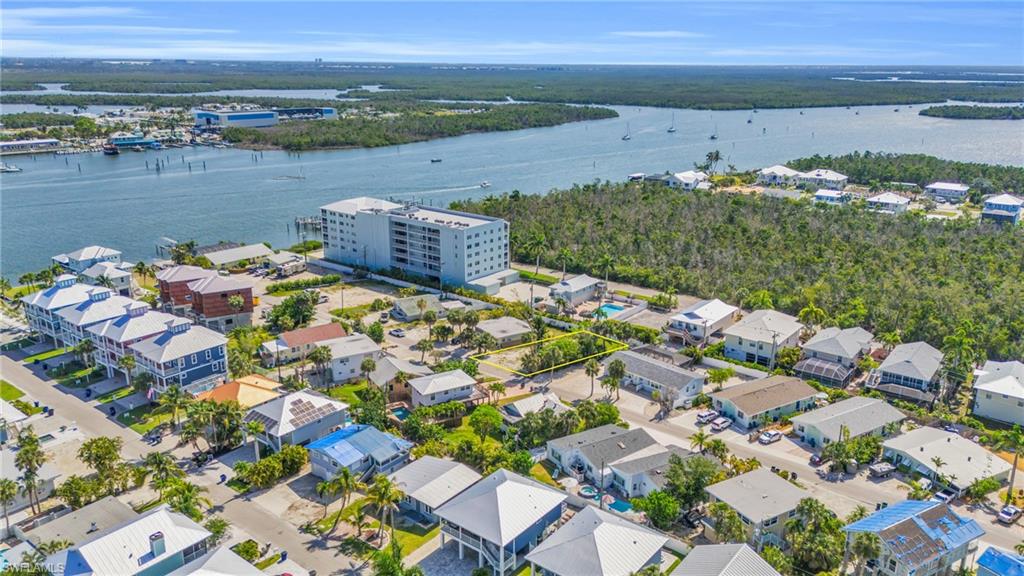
[750, 372]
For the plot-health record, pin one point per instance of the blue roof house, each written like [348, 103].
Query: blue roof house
[996, 562]
[920, 538]
[361, 448]
[191, 357]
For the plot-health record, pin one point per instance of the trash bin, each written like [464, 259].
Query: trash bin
[284, 556]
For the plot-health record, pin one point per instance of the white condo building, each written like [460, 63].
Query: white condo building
[455, 247]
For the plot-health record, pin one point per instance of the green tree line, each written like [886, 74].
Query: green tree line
[35, 119]
[975, 112]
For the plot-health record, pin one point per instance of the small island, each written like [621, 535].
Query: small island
[965, 112]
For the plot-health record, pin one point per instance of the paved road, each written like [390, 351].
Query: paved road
[305, 550]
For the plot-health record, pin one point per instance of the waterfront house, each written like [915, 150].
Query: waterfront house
[296, 344]
[830, 357]
[832, 197]
[500, 517]
[923, 538]
[103, 304]
[751, 403]
[239, 256]
[953, 192]
[889, 202]
[823, 178]
[361, 448]
[855, 417]
[41, 307]
[723, 560]
[348, 354]
[47, 477]
[597, 543]
[591, 454]
[386, 376]
[701, 319]
[996, 562]
[429, 482]
[506, 331]
[910, 371]
[513, 412]
[408, 309]
[1003, 208]
[687, 180]
[211, 302]
[999, 391]
[759, 336]
[155, 543]
[113, 337]
[963, 461]
[80, 260]
[246, 391]
[119, 275]
[297, 418]
[191, 357]
[763, 501]
[577, 290]
[652, 373]
[175, 295]
[777, 175]
[444, 387]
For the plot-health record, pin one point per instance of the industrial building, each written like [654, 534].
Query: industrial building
[259, 118]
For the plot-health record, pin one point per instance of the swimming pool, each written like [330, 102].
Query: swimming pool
[610, 309]
[401, 412]
[621, 506]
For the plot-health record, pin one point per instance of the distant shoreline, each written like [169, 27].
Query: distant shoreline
[968, 112]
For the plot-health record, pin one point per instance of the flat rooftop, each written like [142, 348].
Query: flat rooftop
[436, 216]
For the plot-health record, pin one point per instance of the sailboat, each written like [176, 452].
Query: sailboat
[626, 136]
[714, 136]
[672, 128]
[750, 119]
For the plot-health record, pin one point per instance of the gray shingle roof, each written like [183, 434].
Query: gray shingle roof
[608, 443]
[859, 415]
[504, 327]
[844, 343]
[654, 370]
[763, 325]
[724, 560]
[764, 394]
[434, 481]
[758, 495]
[915, 360]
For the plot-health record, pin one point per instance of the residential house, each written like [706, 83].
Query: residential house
[10, 421]
[239, 256]
[687, 180]
[444, 387]
[577, 290]
[723, 560]
[889, 202]
[80, 260]
[41, 307]
[701, 319]
[408, 309]
[297, 418]
[47, 477]
[221, 561]
[651, 373]
[777, 175]
[429, 482]
[155, 543]
[638, 476]
[910, 371]
[832, 197]
[295, 344]
[103, 304]
[247, 391]
[78, 525]
[212, 299]
[119, 276]
[763, 501]
[191, 357]
[113, 337]
[499, 517]
[996, 562]
[513, 412]
[759, 336]
[597, 543]
[507, 331]
[286, 263]
[856, 416]
[592, 454]
[830, 357]
[933, 453]
[348, 354]
[175, 295]
[385, 376]
[953, 192]
[361, 448]
[999, 392]
[923, 538]
[1003, 208]
[822, 178]
[751, 403]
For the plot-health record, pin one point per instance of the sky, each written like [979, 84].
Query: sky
[717, 32]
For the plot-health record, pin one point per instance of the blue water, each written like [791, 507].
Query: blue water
[401, 413]
[621, 506]
[610, 309]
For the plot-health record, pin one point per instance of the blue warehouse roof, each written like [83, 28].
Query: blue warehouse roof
[353, 443]
[1002, 563]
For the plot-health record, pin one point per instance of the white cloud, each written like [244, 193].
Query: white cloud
[28, 26]
[658, 34]
[69, 12]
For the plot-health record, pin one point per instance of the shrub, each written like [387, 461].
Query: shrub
[302, 284]
[249, 550]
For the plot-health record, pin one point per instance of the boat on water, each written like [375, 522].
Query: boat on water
[714, 135]
[485, 184]
[110, 149]
[672, 127]
[138, 149]
[8, 168]
[626, 136]
[435, 160]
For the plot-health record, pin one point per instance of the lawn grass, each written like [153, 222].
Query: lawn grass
[541, 474]
[347, 393]
[412, 537]
[238, 485]
[115, 395]
[18, 344]
[8, 392]
[675, 562]
[144, 418]
[268, 561]
[537, 277]
[44, 356]
[325, 524]
[516, 398]
[19, 291]
[352, 313]
[145, 506]
[81, 377]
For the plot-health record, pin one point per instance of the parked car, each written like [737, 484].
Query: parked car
[720, 424]
[945, 495]
[397, 332]
[1010, 514]
[705, 416]
[769, 437]
[818, 460]
[385, 316]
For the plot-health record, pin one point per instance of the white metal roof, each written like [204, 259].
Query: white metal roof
[183, 272]
[216, 283]
[597, 543]
[1005, 199]
[434, 383]
[956, 186]
[434, 481]
[576, 283]
[92, 252]
[57, 296]
[287, 413]
[127, 327]
[249, 252]
[758, 495]
[889, 198]
[173, 345]
[501, 506]
[1001, 378]
[963, 459]
[220, 561]
[504, 327]
[779, 170]
[823, 174]
[106, 268]
[763, 325]
[353, 345]
[723, 560]
[93, 311]
[710, 310]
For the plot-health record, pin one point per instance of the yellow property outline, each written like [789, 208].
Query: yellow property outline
[618, 345]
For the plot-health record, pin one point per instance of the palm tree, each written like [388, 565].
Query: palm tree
[176, 400]
[727, 523]
[960, 351]
[713, 158]
[616, 372]
[5, 286]
[8, 492]
[356, 517]
[890, 339]
[253, 428]
[564, 256]
[321, 357]
[105, 281]
[84, 349]
[346, 483]
[1012, 441]
[592, 368]
[142, 270]
[28, 279]
[866, 546]
[186, 497]
[385, 496]
[163, 470]
[1019, 548]
[389, 563]
[605, 264]
[29, 459]
[423, 346]
[366, 366]
[699, 440]
[127, 363]
[535, 246]
[717, 448]
[326, 489]
[812, 316]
